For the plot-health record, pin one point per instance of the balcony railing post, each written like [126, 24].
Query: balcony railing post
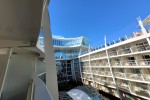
[142, 77]
[131, 50]
[136, 63]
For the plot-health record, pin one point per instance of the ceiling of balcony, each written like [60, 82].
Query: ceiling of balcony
[20, 20]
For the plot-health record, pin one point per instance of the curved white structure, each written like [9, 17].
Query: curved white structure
[65, 51]
[77, 94]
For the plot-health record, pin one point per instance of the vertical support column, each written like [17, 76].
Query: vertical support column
[9, 52]
[109, 64]
[80, 70]
[143, 29]
[73, 70]
[51, 72]
[66, 69]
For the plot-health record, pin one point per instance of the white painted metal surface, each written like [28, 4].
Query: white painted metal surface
[77, 94]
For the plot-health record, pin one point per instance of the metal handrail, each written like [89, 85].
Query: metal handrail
[119, 74]
[137, 76]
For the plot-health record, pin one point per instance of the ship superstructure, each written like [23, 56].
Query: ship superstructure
[122, 68]
[66, 52]
[32, 70]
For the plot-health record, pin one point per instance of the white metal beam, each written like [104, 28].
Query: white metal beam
[51, 73]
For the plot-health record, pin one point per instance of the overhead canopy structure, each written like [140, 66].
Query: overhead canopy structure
[20, 22]
[146, 21]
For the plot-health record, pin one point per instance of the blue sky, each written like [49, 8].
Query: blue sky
[96, 18]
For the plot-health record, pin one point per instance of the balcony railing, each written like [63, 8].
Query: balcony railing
[107, 73]
[84, 59]
[105, 64]
[124, 51]
[116, 63]
[140, 62]
[85, 66]
[146, 77]
[113, 53]
[135, 76]
[136, 34]
[132, 49]
[102, 73]
[89, 77]
[97, 79]
[98, 56]
[140, 48]
[129, 63]
[102, 64]
[119, 74]
[102, 55]
[95, 56]
[96, 64]
[111, 83]
[86, 71]
[144, 91]
[123, 86]
[106, 82]
[95, 71]
[144, 62]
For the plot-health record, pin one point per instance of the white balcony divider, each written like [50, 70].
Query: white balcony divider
[41, 91]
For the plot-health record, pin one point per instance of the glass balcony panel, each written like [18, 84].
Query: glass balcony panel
[140, 48]
[116, 63]
[119, 74]
[144, 62]
[114, 53]
[129, 63]
[107, 73]
[146, 77]
[143, 91]
[105, 64]
[123, 86]
[134, 76]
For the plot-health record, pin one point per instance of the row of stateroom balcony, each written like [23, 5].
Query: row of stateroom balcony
[132, 74]
[141, 89]
[119, 52]
[136, 60]
[133, 35]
